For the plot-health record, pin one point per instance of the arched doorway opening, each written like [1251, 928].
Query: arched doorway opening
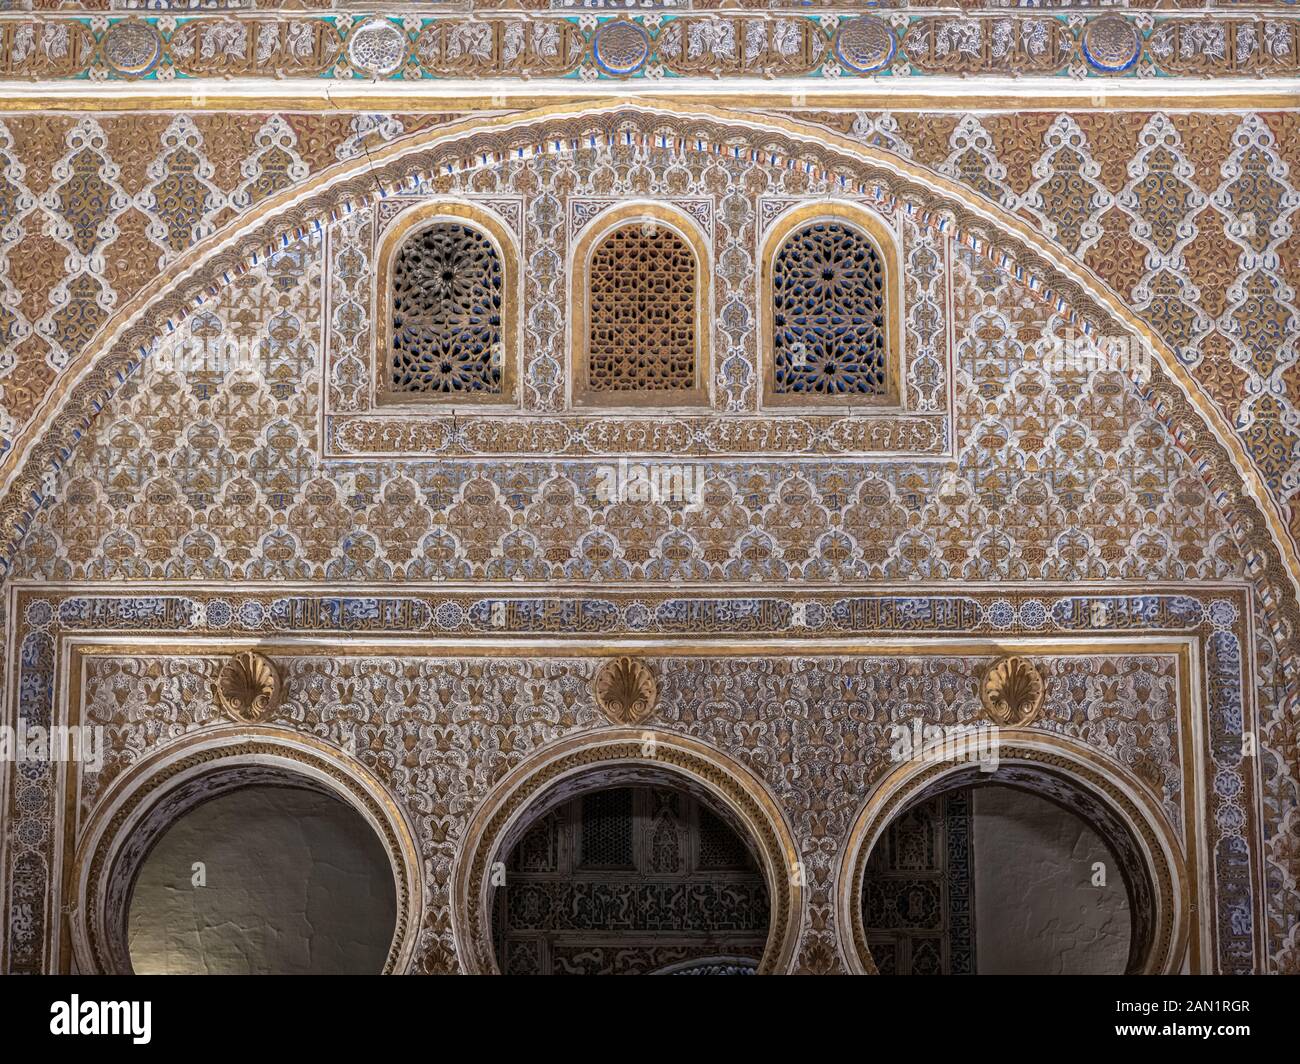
[630, 881]
[1119, 819]
[225, 787]
[992, 879]
[619, 781]
[264, 880]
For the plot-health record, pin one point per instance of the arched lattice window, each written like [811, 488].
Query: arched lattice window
[831, 315]
[448, 284]
[639, 331]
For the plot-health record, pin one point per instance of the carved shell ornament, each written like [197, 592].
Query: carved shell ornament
[1013, 692]
[626, 691]
[248, 687]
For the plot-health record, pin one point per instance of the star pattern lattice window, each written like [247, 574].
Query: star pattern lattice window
[642, 330]
[446, 325]
[829, 309]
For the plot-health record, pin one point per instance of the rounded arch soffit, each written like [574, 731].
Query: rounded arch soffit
[1128, 819]
[939, 202]
[150, 797]
[622, 757]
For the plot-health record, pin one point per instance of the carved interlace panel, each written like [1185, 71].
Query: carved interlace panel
[917, 901]
[628, 880]
[451, 727]
[828, 313]
[215, 472]
[552, 209]
[642, 329]
[446, 313]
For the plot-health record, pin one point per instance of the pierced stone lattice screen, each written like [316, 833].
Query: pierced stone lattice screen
[606, 830]
[828, 313]
[446, 313]
[642, 332]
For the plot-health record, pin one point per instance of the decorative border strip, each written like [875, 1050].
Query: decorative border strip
[632, 612]
[656, 46]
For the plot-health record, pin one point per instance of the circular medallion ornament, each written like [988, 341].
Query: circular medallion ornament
[248, 687]
[377, 47]
[1111, 44]
[132, 47]
[620, 47]
[865, 44]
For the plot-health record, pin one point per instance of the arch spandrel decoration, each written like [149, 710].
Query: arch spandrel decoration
[446, 314]
[73, 404]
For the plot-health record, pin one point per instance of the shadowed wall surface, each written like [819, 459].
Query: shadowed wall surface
[297, 884]
[1037, 908]
[992, 880]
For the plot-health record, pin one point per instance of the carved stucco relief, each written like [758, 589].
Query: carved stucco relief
[817, 730]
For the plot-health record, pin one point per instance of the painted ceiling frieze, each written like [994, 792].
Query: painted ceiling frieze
[603, 42]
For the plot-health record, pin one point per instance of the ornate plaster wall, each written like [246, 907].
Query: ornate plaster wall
[211, 470]
[440, 730]
[1008, 500]
[1188, 216]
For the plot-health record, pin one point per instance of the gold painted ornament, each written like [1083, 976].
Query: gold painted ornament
[1013, 692]
[248, 688]
[626, 691]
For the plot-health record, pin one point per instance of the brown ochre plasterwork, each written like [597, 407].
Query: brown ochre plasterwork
[625, 690]
[1012, 692]
[249, 688]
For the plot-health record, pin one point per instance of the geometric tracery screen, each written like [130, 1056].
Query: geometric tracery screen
[641, 324]
[917, 896]
[446, 313]
[828, 313]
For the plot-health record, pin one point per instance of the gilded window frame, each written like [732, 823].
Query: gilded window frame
[603, 225]
[886, 243]
[408, 225]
